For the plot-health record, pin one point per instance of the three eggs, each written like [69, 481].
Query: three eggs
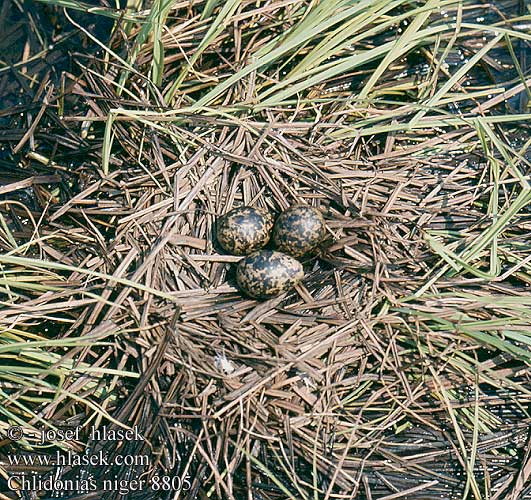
[266, 273]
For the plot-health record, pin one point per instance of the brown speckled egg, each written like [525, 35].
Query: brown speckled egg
[298, 230]
[244, 230]
[266, 273]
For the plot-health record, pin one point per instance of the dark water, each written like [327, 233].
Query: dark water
[52, 40]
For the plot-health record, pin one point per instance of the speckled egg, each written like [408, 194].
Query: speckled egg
[267, 273]
[298, 230]
[244, 230]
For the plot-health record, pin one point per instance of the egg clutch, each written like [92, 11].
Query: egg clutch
[266, 273]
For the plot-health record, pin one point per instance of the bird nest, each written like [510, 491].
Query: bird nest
[398, 368]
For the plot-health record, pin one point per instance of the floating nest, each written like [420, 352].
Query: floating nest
[399, 368]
